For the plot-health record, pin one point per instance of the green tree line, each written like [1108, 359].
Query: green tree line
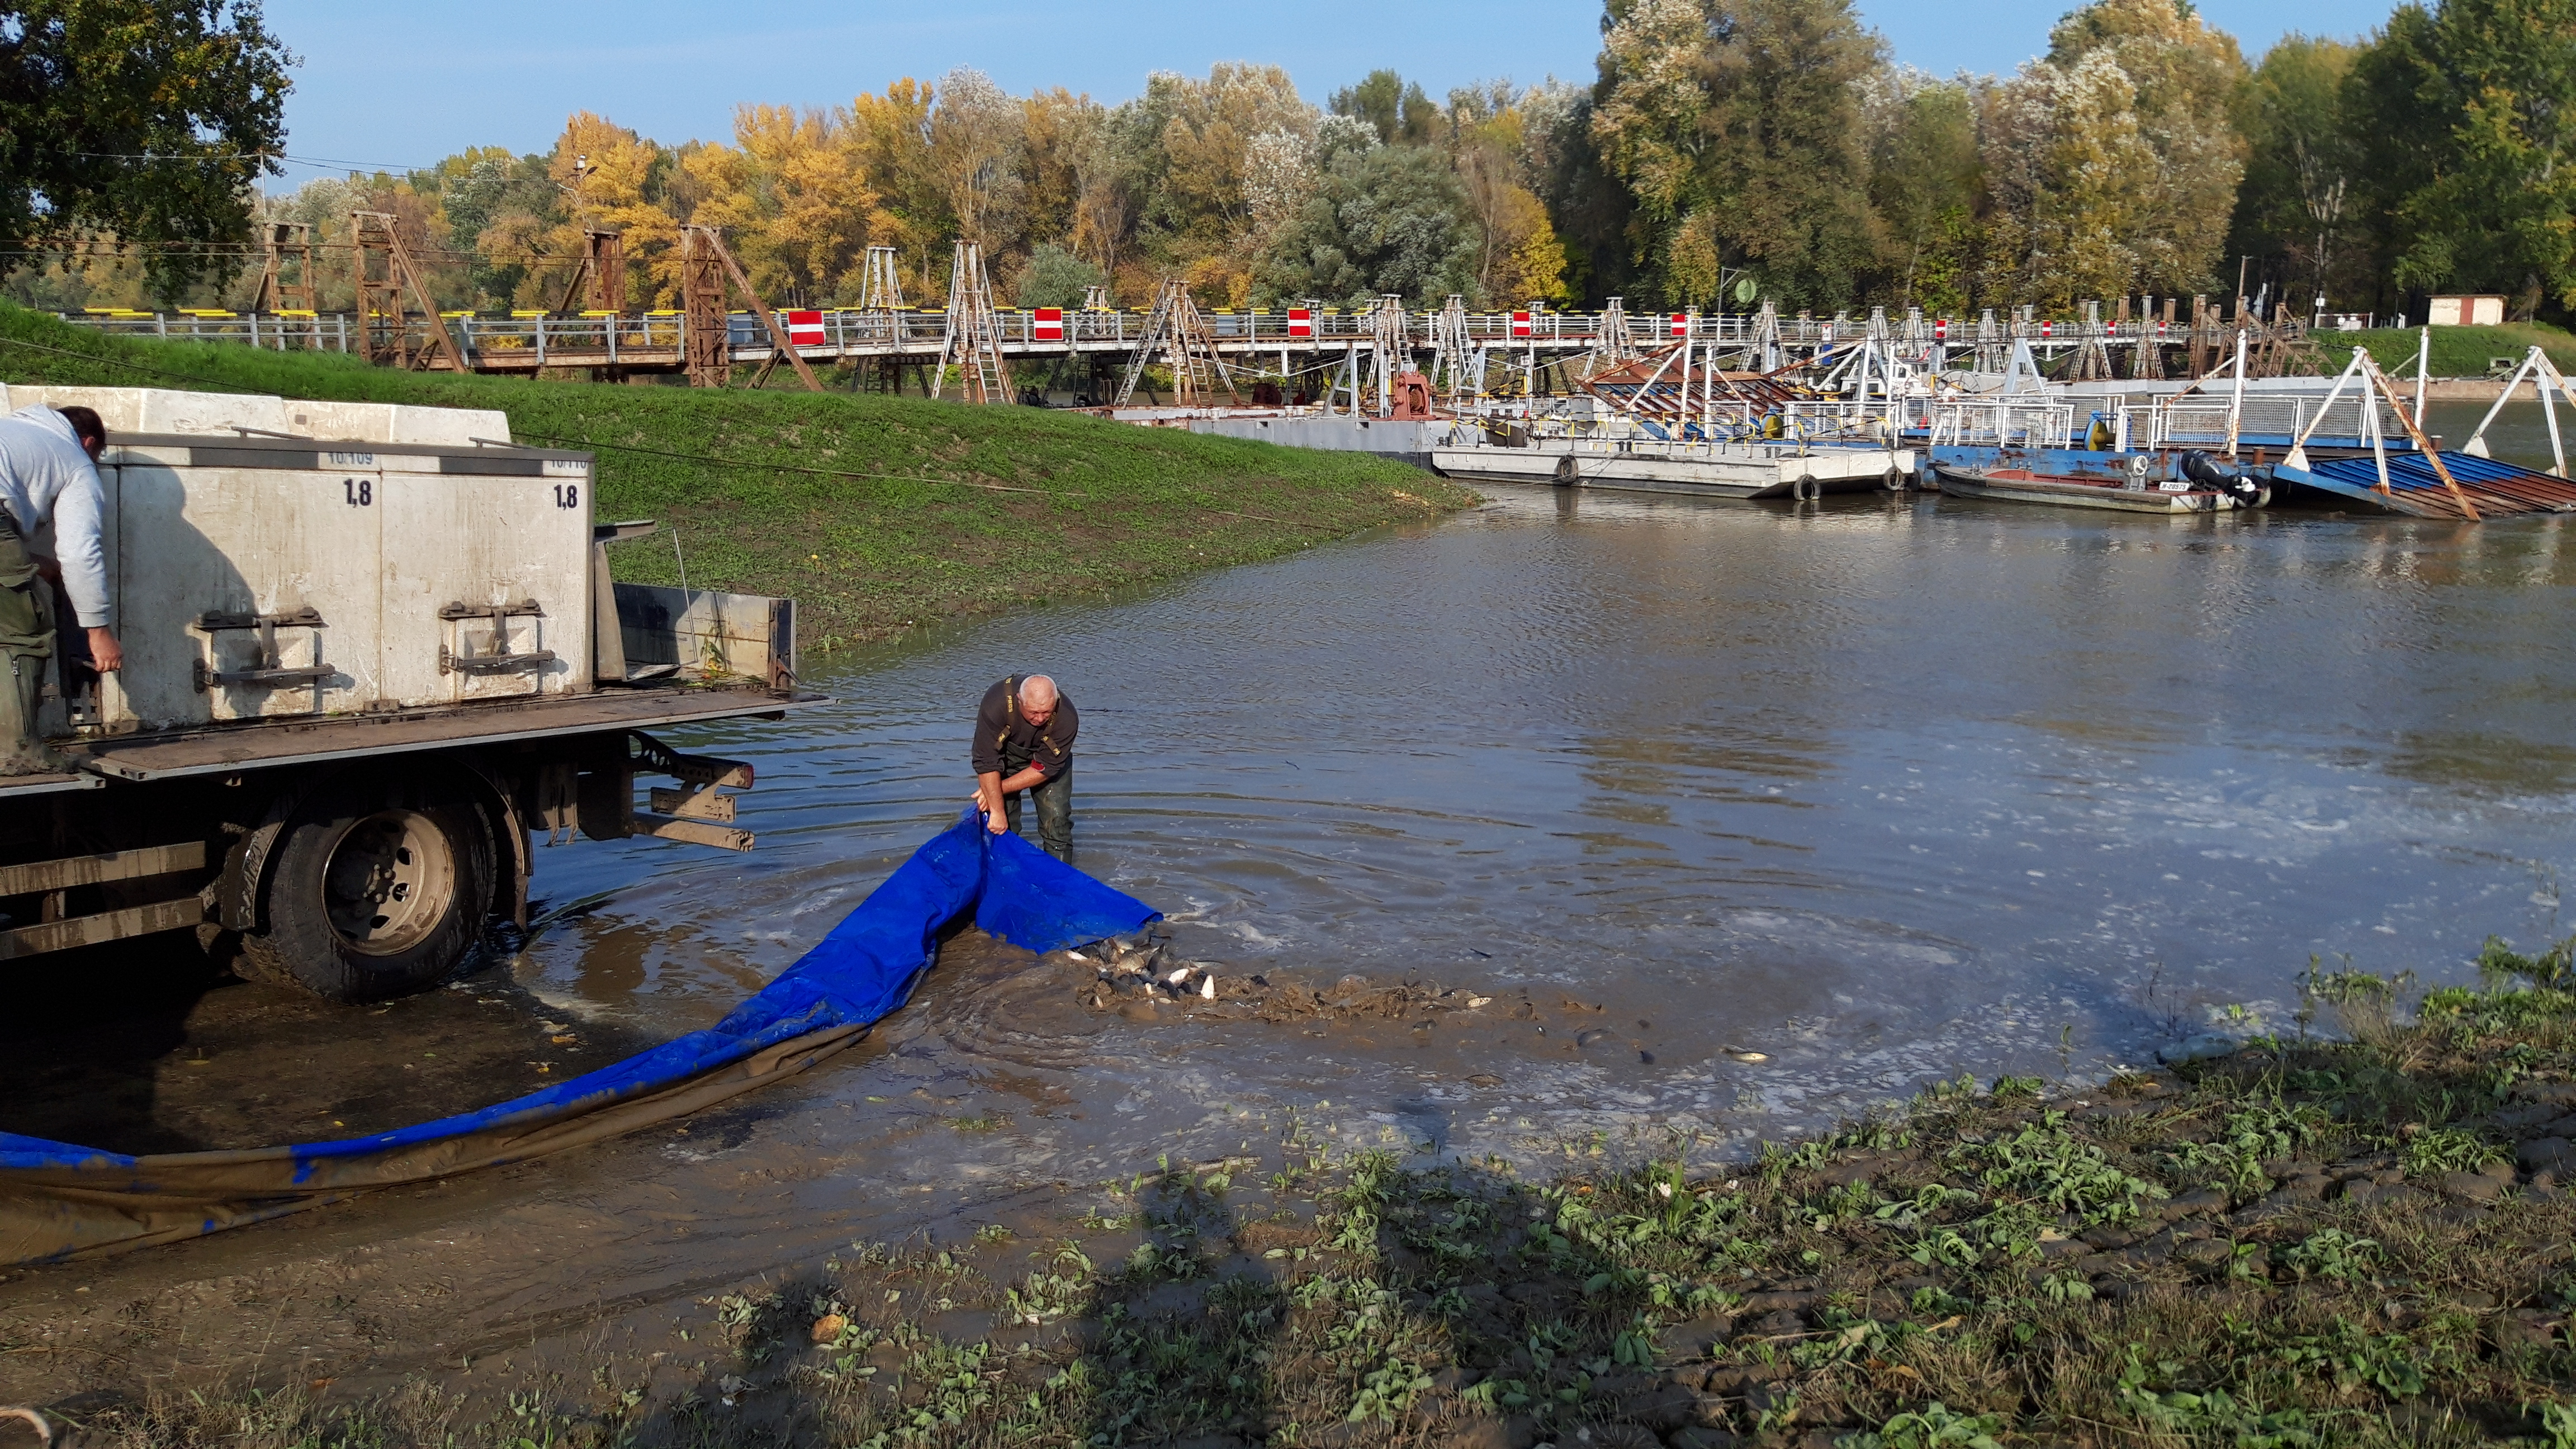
[1724, 150]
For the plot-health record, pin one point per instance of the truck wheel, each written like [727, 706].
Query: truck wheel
[376, 890]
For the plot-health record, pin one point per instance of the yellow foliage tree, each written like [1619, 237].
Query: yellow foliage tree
[607, 171]
[793, 198]
[910, 213]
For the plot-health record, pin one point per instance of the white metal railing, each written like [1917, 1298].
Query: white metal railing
[1997, 422]
[2202, 421]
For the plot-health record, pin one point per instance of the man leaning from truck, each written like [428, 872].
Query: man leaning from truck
[48, 481]
[1024, 742]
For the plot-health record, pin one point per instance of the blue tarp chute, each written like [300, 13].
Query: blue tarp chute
[58, 1200]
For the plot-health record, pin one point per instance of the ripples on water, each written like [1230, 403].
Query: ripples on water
[1886, 790]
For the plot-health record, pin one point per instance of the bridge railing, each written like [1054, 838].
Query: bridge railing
[854, 332]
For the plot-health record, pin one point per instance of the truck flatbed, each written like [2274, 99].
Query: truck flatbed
[371, 653]
[177, 754]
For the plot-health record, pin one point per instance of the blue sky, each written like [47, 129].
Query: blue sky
[402, 84]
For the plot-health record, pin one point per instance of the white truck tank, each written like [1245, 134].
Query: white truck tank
[272, 558]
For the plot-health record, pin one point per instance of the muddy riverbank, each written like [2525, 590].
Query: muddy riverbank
[2303, 1241]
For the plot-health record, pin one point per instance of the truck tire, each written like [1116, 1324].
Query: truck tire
[378, 887]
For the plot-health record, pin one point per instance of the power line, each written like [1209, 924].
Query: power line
[322, 161]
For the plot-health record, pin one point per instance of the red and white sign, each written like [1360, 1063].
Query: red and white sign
[1681, 324]
[1521, 325]
[805, 329]
[1940, 329]
[1301, 322]
[1046, 324]
[2045, 327]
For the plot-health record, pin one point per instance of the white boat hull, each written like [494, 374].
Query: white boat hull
[1706, 470]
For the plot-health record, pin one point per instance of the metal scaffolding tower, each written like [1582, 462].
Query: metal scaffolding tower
[288, 243]
[1176, 330]
[973, 339]
[385, 273]
[1388, 349]
[705, 268]
[883, 289]
[2092, 359]
[1457, 365]
[599, 278]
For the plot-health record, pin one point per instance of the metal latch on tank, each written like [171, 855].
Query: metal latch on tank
[497, 659]
[271, 673]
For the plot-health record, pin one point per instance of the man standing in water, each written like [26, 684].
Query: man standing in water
[1024, 742]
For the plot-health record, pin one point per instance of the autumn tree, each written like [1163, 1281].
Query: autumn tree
[974, 141]
[2112, 162]
[2297, 200]
[2465, 117]
[1518, 256]
[1380, 220]
[1736, 127]
[1189, 147]
[791, 195]
[143, 121]
[892, 133]
[1925, 175]
[475, 191]
[612, 180]
[1400, 111]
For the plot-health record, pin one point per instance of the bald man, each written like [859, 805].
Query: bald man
[1024, 742]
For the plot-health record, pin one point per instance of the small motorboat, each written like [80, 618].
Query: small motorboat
[2206, 485]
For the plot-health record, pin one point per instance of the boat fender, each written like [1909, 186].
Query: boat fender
[1566, 471]
[1807, 489]
[1894, 478]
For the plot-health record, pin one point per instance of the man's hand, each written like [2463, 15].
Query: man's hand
[105, 653]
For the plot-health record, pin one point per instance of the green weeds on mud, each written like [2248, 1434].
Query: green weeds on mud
[2308, 1243]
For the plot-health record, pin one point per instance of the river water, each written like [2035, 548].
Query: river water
[1882, 790]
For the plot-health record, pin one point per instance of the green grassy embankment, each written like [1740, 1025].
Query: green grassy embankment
[2297, 1244]
[2457, 351]
[1103, 505]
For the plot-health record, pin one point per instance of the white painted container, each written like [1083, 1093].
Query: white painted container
[372, 558]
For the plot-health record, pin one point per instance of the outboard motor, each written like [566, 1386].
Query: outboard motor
[2239, 484]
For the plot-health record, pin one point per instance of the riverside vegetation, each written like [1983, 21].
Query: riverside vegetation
[2309, 1241]
[918, 512]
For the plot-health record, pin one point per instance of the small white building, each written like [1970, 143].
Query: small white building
[2466, 312]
